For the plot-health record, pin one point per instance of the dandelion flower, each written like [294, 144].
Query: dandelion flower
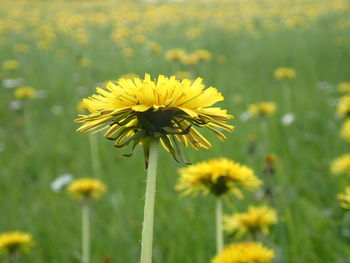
[345, 130]
[25, 92]
[245, 252]
[344, 87]
[345, 198]
[255, 219]
[190, 60]
[217, 176]
[343, 108]
[86, 188]
[10, 65]
[13, 242]
[175, 54]
[284, 73]
[141, 109]
[263, 109]
[202, 55]
[81, 107]
[341, 165]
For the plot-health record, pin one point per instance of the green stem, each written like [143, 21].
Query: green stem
[95, 161]
[219, 231]
[148, 216]
[12, 257]
[86, 233]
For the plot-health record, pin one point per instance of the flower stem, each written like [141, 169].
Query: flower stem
[148, 216]
[219, 231]
[12, 257]
[94, 155]
[86, 233]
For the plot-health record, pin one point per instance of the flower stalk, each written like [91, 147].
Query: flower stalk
[219, 230]
[148, 219]
[86, 232]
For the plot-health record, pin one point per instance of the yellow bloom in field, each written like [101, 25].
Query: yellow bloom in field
[263, 109]
[345, 198]
[84, 62]
[255, 219]
[343, 108]
[86, 188]
[183, 75]
[245, 252]
[217, 176]
[344, 87]
[175, 54]
[136, 110]
[12, 242]
[154, 47]
[25, 92]
[284, 73]
[341, 165]
[345, 130]
[128, 52]
[190, 60]
[10, 65]
[21, 48]
[202, 55]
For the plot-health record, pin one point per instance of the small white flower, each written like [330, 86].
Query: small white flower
[245, 116]
[288, 119]
[15, 105]
[12, 83]
[61, 182]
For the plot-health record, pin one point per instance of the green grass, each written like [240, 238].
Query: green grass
[40, 146]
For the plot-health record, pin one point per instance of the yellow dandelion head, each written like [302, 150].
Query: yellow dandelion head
[345, 130]
[344, 87]
[343, 108]
[11, 242]
[183, 75]
[263, 109]
[217, 176]
[257, 218]
[341, 165]
[202, 55]
[25, 92]
[175, 54]
[10, 65]
[284, 73]
[81, 107]
[86, 188]
[84, 62]
[344, 198]
[137, 110]
[190, 60]
[245, 252]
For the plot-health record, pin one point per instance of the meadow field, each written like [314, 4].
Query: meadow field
[65, 49]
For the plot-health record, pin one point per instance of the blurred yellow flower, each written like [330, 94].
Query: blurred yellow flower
[10, 65]
[154, 47]
[190, 60]
[284, 73]
[345, 130]
[183, 75]
[341, 165]
[84, 62]
[257, 218]
[263, 109]
[175, 54]
[344, 198]
[344, 87]
[25, 92]
[137, 110]
[202, 55]
[217, 176]
[128, 52]
[21, 48]
[86, 188]
[245, 252]
[343, 108]
[12, 242]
